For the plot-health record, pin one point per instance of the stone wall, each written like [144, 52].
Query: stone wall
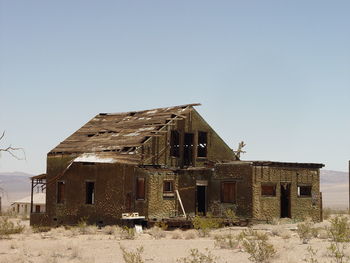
[238, 172]
[159, 204]
[266, 208]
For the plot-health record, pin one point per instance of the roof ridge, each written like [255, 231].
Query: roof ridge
[138, 111]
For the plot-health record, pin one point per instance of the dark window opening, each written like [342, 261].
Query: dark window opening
[188, 149]
[168, 186]
[228, 192]
[140, 188]
[90, 193]
[37, 208]
[304, 191]
[175, 144]
[60, 192]
[268, 190]
[202, 144]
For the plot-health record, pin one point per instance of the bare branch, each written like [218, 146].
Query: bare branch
[11, 150]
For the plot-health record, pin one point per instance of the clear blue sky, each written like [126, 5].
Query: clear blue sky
[275, 74]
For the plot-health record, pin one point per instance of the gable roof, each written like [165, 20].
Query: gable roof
[119, 134]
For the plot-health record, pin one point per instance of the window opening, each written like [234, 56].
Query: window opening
[140, 188]
[175, 144]
[304, 191]
[90, 193]
[188, 149]
[202, 144]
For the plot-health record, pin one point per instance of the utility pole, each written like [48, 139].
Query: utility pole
[349, 189]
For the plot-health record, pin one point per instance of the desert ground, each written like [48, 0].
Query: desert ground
[92, 244]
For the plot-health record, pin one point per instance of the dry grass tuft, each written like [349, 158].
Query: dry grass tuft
[191, 234]
[156, 232]
[177, 234]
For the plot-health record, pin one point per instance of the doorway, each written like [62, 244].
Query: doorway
[285, 200]
[201, 200]
[188, 149]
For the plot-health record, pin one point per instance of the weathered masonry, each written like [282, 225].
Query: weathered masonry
[161, 163]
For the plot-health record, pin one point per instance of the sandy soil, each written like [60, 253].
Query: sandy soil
[103, 245]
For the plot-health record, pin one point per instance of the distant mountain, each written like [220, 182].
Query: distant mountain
[16, 185]
[335, 189]
[334, 177]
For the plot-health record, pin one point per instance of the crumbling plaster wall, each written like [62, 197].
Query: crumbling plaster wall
[266, 208]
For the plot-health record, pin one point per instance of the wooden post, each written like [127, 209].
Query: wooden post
[31, 197]
[349, 189]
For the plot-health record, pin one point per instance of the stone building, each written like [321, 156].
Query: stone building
[163, 163]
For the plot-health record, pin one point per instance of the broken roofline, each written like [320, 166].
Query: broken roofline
[119, 132]
[279, 164]
[162, 108]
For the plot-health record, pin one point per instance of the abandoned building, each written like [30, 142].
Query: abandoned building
[166, 163]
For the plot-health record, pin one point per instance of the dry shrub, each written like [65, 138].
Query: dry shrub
[176, 234]
[276, 221]
[226, 241]
[132, 256]
[7, 227]
[312, 255]
[277, 230]
[322, 234]
[191, 234]
[157, 232]
[339, 233]
[305, 230]
[128, 233]
[41, 229]
[327, 212]
[111, 230]
[257, 246]
[205, 224]
[198, 257]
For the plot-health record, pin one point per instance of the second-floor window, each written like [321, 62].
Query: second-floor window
[175, 144]
[202, 144]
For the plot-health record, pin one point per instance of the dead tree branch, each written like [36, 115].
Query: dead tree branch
[12, 150]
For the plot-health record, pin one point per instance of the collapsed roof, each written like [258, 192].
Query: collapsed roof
[111, 135]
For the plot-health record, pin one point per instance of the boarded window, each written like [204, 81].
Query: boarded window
[228, 192]
[168, 186]
[268, 190]
[304, 191]
[140, 188]
[90, 193]
[202, 144]
[60, 192]
[175, 144]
